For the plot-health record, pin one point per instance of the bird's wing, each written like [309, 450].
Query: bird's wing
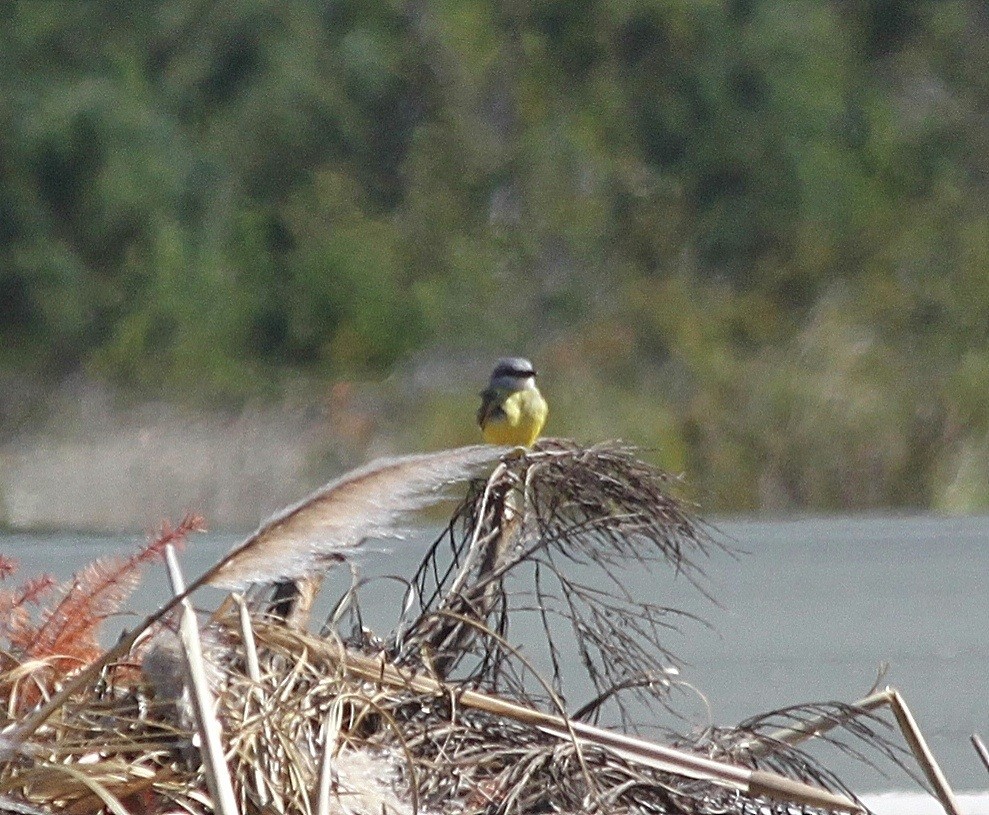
[491, 400]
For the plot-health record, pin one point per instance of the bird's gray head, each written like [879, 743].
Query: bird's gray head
[514, 373]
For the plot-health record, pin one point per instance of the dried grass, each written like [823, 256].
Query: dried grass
[560, 522]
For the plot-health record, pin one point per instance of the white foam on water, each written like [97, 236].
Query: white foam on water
[918, 803]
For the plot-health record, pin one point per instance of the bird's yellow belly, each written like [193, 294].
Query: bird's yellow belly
[525, 415]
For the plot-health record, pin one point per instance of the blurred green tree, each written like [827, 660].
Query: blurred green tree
[758, 228]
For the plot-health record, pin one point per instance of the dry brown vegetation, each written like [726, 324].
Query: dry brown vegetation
[444, 714]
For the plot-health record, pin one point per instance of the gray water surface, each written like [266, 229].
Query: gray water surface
[807, 614]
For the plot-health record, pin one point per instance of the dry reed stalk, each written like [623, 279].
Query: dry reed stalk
[254, 672]
[209, 728]
[918, 744]
[980, 749]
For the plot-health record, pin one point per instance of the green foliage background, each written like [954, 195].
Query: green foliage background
[751, 235]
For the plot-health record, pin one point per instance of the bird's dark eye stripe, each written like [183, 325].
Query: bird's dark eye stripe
[516, 372]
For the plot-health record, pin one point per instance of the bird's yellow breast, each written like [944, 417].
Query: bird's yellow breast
[525, 414]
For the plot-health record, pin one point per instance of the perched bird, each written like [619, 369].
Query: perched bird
[512, 409]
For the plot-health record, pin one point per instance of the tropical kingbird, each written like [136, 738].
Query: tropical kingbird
[512, 410]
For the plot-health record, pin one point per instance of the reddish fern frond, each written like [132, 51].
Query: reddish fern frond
[15, 623]
[71, 628]
[7, 567]
[31, 591]
[15, 619]
[175, 536]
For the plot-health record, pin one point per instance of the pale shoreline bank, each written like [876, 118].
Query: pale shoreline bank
[128, 474]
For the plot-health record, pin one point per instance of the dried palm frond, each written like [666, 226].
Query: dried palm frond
[858, 733]
[551, 536]
[849, 729]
